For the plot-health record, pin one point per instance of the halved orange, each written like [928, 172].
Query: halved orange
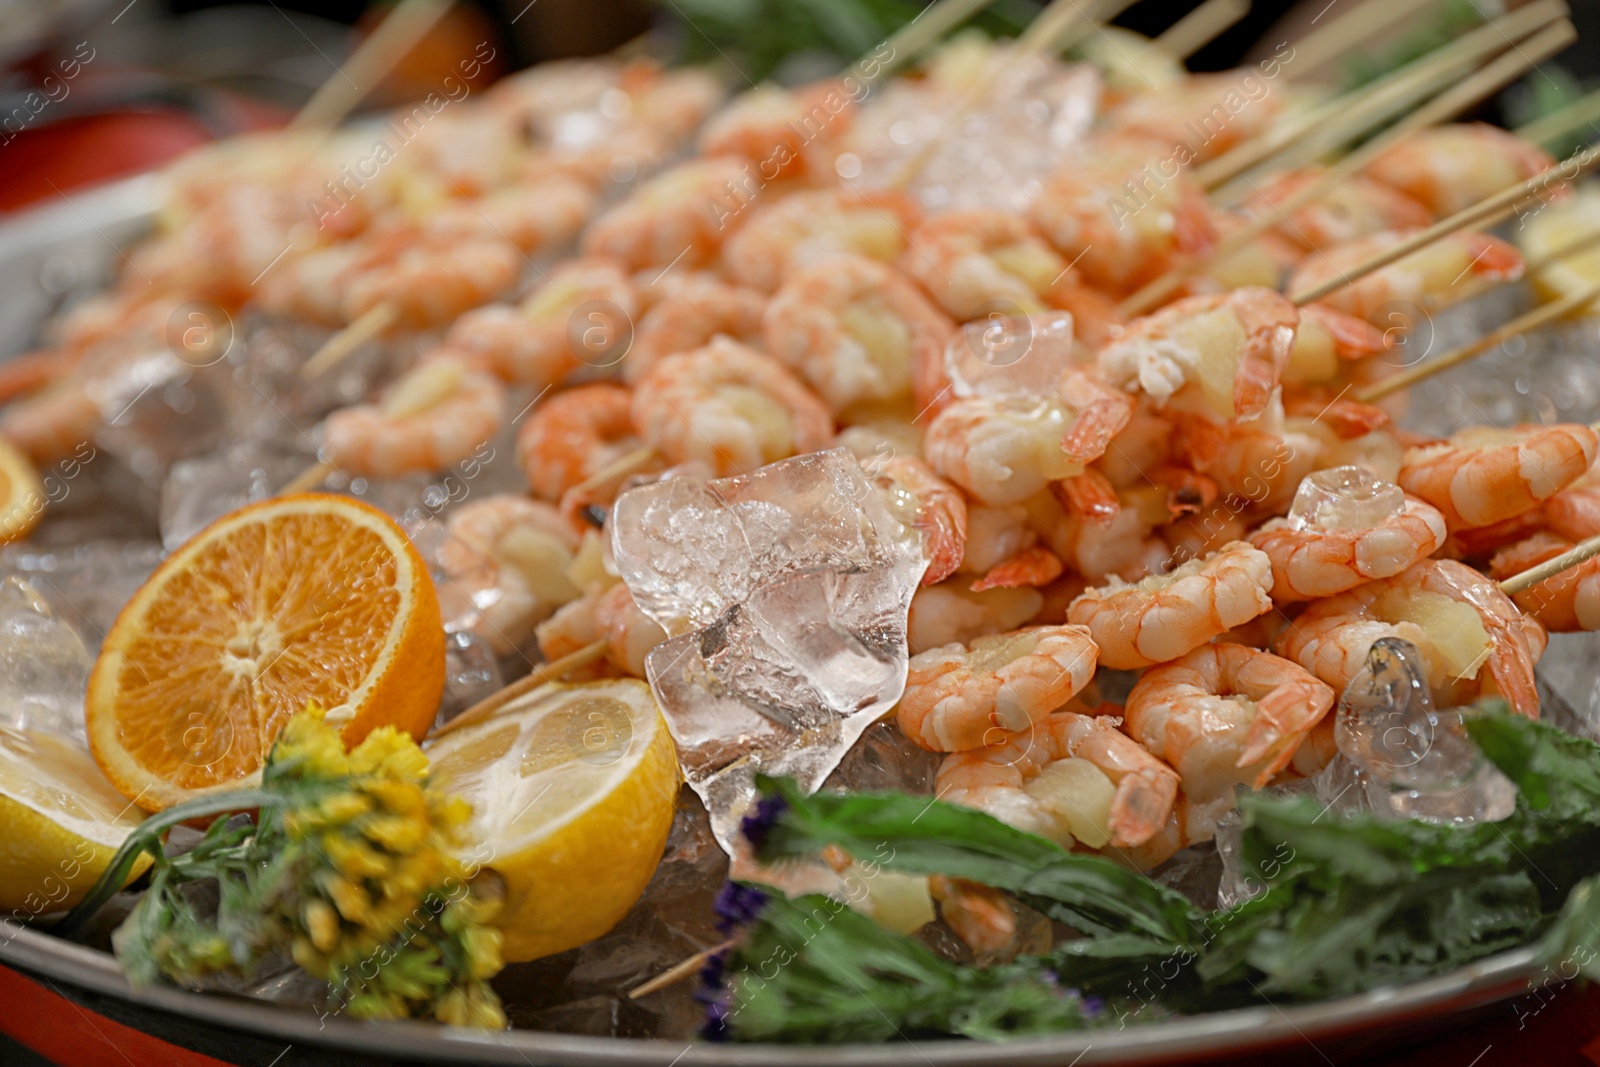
[303, 598]
[21, 495]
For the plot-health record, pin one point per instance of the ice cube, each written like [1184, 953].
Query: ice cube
[471, 673]
[787, 591]
[198, 491]
[885, 760]
[44, 666]
[1345, 498]
[1010, 353]
[1569, 684]
[87, 585]
[1414, 761]
[157, 409]
[1241, 882]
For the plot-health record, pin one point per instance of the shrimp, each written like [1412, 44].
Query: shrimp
[1200, 117]
[977, 262]
[1222, 716]
[1447, 269]
[433, 417]
[951, 613]
[960, 697]
[811, 225]
[1123, 546]
[575, 435]
[630, 634]
[680, 216]
[854, 329]
[689, 317]
[783, 132]
[980, 915]
[1563, 603]
[580, 316]
[930, 505]
[534, 215]
[573, 627]
[1470, 633]
[1221, 354]
[1264, 260]
[1001, 449]
[1036, 566]
[431, 281]
[1325, 341]
[1166, 615]
[1082, 211]
[1452, 167]
[1355, 207]
[509, 554]
[1347, 527]
[1485, 474]
[1089, 495]
[729, 407]
[51, 424]
[1070, 778]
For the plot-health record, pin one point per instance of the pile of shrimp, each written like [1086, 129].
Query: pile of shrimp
[1190, 495]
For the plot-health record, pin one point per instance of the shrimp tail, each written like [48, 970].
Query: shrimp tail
[1283, 719]
[1102, 414]
[1493, 259]
[1091, 496]
[979, 915]
[1036, 566]
[1141, 806]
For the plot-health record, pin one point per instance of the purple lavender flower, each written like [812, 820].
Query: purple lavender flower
[737, 904]
[716, 996]
[758, 823]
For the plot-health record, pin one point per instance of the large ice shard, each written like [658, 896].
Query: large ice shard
[786, 592]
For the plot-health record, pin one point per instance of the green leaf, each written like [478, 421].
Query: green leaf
[915, 835]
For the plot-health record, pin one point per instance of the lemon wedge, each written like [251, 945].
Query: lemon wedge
[1559, 226]
[63, 822]
[573, 789]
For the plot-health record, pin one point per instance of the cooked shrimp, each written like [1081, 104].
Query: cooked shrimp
[630, 634]
[1124, 546]
[1263, 260]
[574, 435]
[431, 281]
[1563, 603]
[1166, 615]
[434, 416]
[51, 424]
[1449, 268]
[581, 316]
[977, 262]
[1070, 778]
[929, 504]
[1228, 350]
[1089, 495]
[782, 132]
[1001, 449]
[1355, 207]
[1035, 566]
[1346, 527]
[1084, 212]
[980, 915]
[729, 407]
[681, 216]
[1325, 341]
[534, 215]
[951, 613]
[690, 316]
[509, 554]
[1452, 167]
[1222, 716]
[1485, 474]
[1201, 116]
[965, 696]
[811, 225]
[571, 628]
[854, 329]
[1471, 634]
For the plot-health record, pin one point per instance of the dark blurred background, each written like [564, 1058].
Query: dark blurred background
[95, 89]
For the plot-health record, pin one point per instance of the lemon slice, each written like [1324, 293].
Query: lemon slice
[63, 822]
[573, 789]
[1556, 227]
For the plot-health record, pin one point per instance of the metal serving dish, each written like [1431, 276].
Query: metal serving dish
[74, 245]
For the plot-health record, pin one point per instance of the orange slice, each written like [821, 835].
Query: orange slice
[21, 495]
[304, 598]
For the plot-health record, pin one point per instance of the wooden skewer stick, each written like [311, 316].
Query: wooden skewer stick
[1581, 112]
[394, 38]
[677, 972]
[307, 479]
[1501, 204]
[1201, 26]
[543, 674]
[1446, 105]
[620, 467]
[1350, 29]
[1578, 553]
[1362, 110]
[337, 349]
[1540, 315]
